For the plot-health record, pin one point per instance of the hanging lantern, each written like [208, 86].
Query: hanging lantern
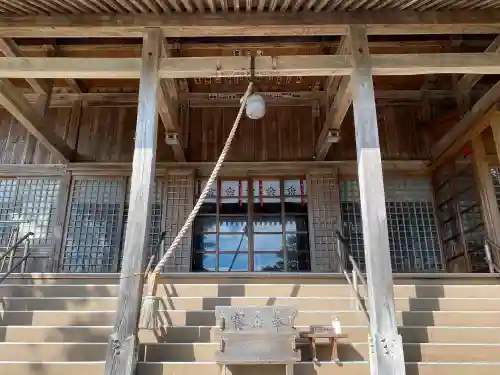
[256, 107]
[466, 151]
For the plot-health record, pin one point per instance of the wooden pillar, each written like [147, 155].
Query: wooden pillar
[387, 349]
[489, 206]
[121, 354]
[495, 129]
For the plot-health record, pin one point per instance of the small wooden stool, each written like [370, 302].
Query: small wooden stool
[323, 332]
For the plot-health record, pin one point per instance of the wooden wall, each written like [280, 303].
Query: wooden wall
[106, 134]
[284, 134]
[400, 135]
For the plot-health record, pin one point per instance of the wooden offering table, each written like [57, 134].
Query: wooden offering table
[257, 336]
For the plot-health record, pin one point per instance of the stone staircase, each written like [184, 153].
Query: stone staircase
[59, 324]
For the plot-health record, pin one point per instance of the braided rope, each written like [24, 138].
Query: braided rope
[204, 193]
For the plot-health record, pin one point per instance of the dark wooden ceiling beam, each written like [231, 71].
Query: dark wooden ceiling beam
[239, 66]
[468, 81]
[10, 49]
[205, 99]
[381, 22]
[168, 109]
[330, 133]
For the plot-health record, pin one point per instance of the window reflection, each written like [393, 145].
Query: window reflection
[267, 225]
[233, 225]
[233, 242]
[266, 242]
[233, 262]
[269, 262]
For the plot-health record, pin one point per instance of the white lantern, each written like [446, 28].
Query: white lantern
[256, 107]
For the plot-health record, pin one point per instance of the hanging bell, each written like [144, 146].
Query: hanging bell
[256, 107]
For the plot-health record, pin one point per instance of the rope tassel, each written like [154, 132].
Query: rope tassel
[148, 318]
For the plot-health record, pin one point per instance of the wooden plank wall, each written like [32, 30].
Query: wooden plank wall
[106, 134]
[285, 133]
[400, 133]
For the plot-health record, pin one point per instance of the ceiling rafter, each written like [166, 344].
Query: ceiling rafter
[185, 24]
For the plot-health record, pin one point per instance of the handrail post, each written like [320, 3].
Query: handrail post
[13, 253]
[356, 286]
[25, 254]
[489, 258]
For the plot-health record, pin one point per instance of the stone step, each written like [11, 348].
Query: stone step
[207, 318]
[209, 303]
[28, 334]
[241, 278]
[210, 368]
[81, 352]
[292, 289]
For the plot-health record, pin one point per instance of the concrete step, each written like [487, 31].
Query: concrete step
[292, 289]
[210, 368]
[207, 318]
[28, 334]
[81, 352]
[209, 303]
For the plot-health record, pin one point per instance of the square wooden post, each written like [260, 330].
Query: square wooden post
[387, 356]
[121, 357]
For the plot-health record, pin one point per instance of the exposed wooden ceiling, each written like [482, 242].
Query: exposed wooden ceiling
[41, 7]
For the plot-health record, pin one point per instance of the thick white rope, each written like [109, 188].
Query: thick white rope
[205, 191]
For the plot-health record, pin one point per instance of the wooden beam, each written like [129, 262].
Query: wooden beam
[417, 168]
[169, 110]
[495, 129]
[40, 106]
[334, 117]
[123, 343]
[489, 205]
[19, 107]
[239, 66]
[333, 82]
[380, 22]
[10, 49]
[386, 344]
[199, 99]
[467, 128]
[468, 81]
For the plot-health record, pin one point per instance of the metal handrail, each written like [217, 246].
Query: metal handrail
[356, 274]
[11, 251]
[13, 268]
[12, 248]
[156, 251]
[493, 267]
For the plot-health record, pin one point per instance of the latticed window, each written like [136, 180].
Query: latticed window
[30, 205]
[96, 223]
[413, 239]
[155, 227]
[264, 228]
